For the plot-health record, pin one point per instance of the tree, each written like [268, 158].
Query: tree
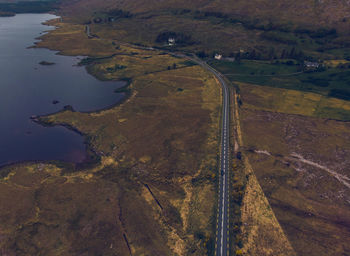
[283, 54]
[238, 57]
[271, 55]
[201, 54]
[252, 55]
[292, 53]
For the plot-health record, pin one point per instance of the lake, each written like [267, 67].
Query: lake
[28, 88]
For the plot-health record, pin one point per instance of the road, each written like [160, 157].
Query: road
[222, 235]
[222, 228]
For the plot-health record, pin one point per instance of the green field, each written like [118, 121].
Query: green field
[293, 102]
[334, 82]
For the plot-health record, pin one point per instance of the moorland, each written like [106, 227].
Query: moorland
[157, 151]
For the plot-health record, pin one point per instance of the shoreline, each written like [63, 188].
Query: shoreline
[88, 147]
[91, 155]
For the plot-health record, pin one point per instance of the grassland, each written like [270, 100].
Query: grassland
[153, 190]
[225, 27]
[293, 102]
[255, 226]
[279, 74]
[203, 32]
[307, 13]
[300, 157]
[289, 138]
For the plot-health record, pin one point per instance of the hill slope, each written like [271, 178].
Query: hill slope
[325, 13]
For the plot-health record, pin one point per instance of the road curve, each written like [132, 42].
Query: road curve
[222, 228]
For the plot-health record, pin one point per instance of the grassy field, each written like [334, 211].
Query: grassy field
[299, 156]
[256, 228]
[327, 82]
[300, 163]
[247, 68]
[153, 191]
[293, 102]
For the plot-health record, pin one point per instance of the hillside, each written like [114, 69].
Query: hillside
[327, 13]
[252, 29]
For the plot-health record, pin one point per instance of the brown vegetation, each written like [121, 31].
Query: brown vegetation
[259, 232]
[301, 164]
[153, 191]
[307, 13]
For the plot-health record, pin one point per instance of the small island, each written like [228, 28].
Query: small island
[46, 63]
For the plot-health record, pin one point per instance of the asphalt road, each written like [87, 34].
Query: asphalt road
[222, 235]
[222, 227]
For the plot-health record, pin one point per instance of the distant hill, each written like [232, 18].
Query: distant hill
[27, 6]
[310, 13]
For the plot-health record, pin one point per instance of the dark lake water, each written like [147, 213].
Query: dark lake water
[28, 88]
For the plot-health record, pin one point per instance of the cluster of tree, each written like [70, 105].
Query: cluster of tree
[318, 33]
[180, 38]
[207, 14]
[111, 16]
[344, 66]
[180, 11]
[342, 42]
[266, 25]
[340, 94]
[238, 192]
[115, 68]
[202, 54]
[279, 37]
[90, 60]
[265, 54]
[271, 54]
[29, 7]
[293, 53]
[249, 55]
[118, 14]
[172, 67]
[316, 81]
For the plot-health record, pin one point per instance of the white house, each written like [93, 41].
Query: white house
[218, 56]
[311, 65]
[171, 41]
